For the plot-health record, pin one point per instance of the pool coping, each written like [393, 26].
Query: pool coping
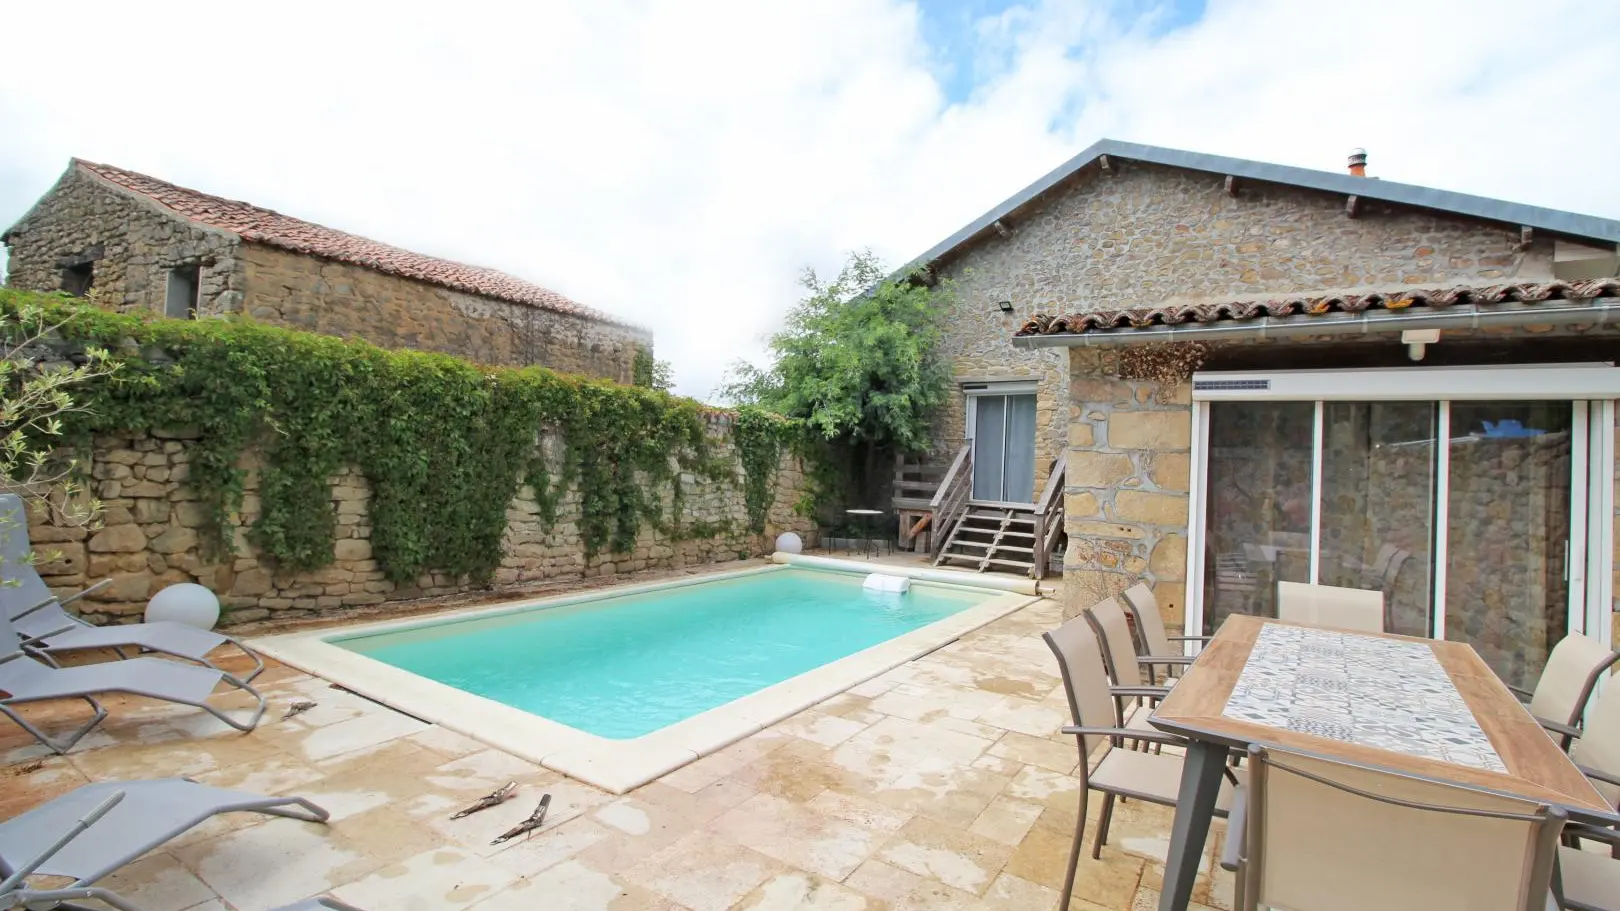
[623, 765]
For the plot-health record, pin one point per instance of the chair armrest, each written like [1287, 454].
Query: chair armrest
[1560, 729]
[97, 587]
[40, 606]
[1596, 833]
[1602, 776]
[1232, 850]
[1151, 692]
[1520, 691]
[1150, 736]
[1165, 659]
[1189, 638]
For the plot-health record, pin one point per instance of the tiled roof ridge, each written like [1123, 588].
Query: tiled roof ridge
[1318, 304]
[267, 226]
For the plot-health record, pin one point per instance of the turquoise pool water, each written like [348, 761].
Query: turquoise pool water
[627, 665]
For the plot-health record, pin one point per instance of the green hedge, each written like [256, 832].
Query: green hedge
[445, 444]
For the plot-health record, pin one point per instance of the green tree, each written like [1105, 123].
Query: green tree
[856, 361]
[651, 372]
[35, 383]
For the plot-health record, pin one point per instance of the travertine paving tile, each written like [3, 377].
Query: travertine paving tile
[798, 835]
[943, 784]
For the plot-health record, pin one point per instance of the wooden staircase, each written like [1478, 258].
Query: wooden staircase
[992, 539]
[940, 517]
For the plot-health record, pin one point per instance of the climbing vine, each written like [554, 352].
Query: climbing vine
[444, 444]
[760, 437]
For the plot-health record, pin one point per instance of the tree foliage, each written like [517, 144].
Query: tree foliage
[651, 372]
[856, 360]
[35, 397]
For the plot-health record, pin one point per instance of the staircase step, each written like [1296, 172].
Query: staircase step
[1021, 564]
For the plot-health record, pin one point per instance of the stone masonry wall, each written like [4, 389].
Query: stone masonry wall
[1125, 503]
[1142, 236]
[317, 295]
[150, 539]
[133, 245]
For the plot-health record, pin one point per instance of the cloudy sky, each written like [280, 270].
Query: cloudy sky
[678, 162]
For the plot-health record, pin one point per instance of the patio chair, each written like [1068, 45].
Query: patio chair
[1133, 697]
[1329, 836]
[1156, 642]
[1117, 772]
[317, 904]
[92, 831]
[1590, 881]
[26, 679]
[1596, 747]
[47, 628]
[1573, 669]
[1354, 609]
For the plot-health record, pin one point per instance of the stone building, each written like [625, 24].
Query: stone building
[150, 245]
[1256, 372]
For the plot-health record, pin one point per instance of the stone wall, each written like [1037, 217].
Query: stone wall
[317, 295]
[1145, 235]
[1125, 501]
[131, 244]
[150, 539]
[1142, 236]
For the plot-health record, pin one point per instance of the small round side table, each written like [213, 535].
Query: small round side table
[866, 515]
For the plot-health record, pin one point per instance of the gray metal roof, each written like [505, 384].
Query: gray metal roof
[1571, 224]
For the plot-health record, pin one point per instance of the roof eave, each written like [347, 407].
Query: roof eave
[1600, 311]
[1569, 224]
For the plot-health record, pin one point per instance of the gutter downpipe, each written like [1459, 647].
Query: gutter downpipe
[1599, 312]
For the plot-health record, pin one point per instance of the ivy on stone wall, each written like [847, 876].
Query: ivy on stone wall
[760, 437]
[445, 444]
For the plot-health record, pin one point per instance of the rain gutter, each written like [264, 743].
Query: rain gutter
[1598, 311]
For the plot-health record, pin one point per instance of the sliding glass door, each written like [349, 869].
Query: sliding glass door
[1003, 433]
[1509, 532]
[1259, 506]
[1467, 515]
[1377, 506]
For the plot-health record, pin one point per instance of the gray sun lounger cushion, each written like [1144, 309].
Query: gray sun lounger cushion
[48, 628]
[25, 678]
[151, 813]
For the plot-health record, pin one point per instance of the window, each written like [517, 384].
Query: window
[181, 302]
[76, 279]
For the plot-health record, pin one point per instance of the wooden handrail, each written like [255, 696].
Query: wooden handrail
[951, 500]
[1049, 516]
[962, 457]
[1054, 485]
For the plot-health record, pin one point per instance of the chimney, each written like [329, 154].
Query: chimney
[1358, 162]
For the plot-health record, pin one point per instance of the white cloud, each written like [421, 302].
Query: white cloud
[677, 162]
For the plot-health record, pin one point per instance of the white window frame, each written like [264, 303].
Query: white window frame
[1591, 389]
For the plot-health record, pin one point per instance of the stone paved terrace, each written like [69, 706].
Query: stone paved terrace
[942, 784]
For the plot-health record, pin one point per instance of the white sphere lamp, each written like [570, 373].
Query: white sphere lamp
[186, 602]
[789, 543]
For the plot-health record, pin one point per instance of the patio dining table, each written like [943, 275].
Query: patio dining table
[1412, 706]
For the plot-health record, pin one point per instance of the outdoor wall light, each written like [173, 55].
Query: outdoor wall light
[1005, 306]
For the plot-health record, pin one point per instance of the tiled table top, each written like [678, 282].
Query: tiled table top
[1415, 706]
[1386, 693]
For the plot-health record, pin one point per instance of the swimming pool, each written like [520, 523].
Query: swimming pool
[620, 686]
[628, 665]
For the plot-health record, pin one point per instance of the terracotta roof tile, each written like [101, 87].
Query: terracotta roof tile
[271, 228]
[1315, 305]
